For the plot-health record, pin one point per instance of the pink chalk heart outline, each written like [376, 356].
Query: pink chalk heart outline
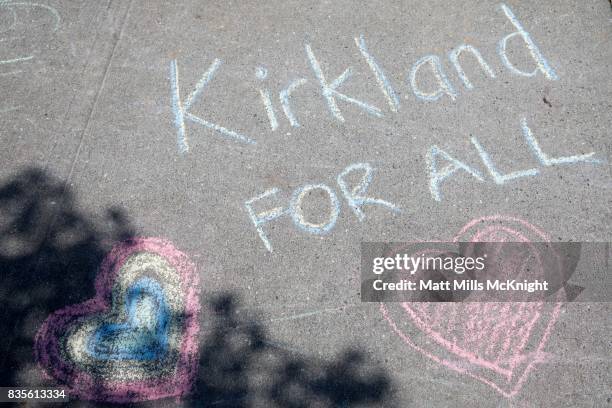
[496, 343]
[51, 342]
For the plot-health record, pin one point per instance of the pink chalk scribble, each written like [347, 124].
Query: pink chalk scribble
[126, 381]
[497, 343]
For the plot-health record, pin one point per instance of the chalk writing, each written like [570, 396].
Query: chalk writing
[545, 160]
[454, 57]
[440, 164]
[10, 109]
[259, 219]
[444, 85]
[12, 8]
[542, 64]
[381, 78]
[284, 96]
[428, 66]
[498, 344]
[355, 198]
[136, 340]
[300, 220]
[428, 81]
[437, 176]
[14, 60]
[329, 90]
[261, 73]
[497, 176]
[181, 109]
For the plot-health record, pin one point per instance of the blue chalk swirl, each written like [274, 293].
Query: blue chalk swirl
[133, 340]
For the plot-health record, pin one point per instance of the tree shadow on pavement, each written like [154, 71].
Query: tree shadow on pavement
[49, 255]
[50, 252]
[240, 366]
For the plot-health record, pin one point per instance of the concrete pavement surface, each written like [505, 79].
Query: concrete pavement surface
[186, 185]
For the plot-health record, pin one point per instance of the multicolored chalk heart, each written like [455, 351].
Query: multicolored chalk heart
[136, 340]
[496, 343]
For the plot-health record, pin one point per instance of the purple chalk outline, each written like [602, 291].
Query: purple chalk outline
[508, 373]
[83, 385]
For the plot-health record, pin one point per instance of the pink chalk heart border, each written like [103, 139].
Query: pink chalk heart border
[496, 343]
[84, 385]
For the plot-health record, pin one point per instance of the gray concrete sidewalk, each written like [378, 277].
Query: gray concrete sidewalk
[267, 140]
